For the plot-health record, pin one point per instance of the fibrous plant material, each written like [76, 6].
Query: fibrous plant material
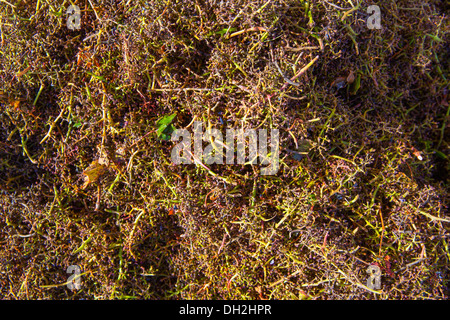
[87, 179]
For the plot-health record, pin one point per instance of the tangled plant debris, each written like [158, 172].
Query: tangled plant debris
[86, 175]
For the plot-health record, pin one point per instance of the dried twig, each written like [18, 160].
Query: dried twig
[247, 30]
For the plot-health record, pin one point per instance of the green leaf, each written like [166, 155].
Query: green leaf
[221, 32]
[165, 128]
[440, 154]
[166, 134]
[166, 120]
[435, 38]
[356, 84]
